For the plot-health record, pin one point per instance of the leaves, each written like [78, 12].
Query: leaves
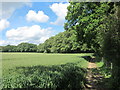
[64, 42]
[60, 76]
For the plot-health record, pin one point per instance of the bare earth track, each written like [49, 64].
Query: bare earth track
[92, 65]
[92, 79]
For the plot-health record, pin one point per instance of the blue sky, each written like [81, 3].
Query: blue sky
[32, 22]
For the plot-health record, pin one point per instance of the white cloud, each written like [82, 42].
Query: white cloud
[38, 17]
[4, 24]
[60, 10]
[34, 34]
[9, 7]
[3, 42]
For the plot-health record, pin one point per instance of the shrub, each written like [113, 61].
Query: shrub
[60, 76]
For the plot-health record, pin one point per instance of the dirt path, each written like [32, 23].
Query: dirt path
[92, 78]
[92, 65]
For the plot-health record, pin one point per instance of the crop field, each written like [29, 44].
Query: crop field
[12, 60]
[25, 67]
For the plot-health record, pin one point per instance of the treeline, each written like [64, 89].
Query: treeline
[64, 42]
[22, 47]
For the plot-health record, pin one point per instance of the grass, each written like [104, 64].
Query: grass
[100, 64]
[13, 60]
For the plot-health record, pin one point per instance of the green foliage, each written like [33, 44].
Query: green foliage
[36, 70]
[104, 71]
[105, 74]
[61, 76]
[26, 47]
[22, 47]
[93, 26]
[1, 48]
[87, 19]
[112, 43]
[64, 42]
[98, 27]
[12, 60]
[100, 64]
[9, 48]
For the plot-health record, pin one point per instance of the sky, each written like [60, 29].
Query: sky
[31, 22]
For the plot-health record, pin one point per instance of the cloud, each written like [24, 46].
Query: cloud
[3, 42]
[9, 7]
[37, 17]
[60, 10]
[33, 34]
[4, 24]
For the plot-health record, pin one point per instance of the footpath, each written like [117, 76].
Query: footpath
[93, 78]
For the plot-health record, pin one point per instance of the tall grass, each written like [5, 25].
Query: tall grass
[12, 60]
[36, 70]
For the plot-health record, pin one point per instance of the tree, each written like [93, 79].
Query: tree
[98, 26]
[26, 47]
[9, 48]
[64, 42]
[112, 43]
[86, 19]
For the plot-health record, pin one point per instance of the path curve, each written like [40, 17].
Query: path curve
[92, 65]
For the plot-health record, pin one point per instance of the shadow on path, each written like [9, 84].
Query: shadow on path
[93, 79]
[92, 59]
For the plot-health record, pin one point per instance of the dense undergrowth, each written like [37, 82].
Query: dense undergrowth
[104, 80]
[102, 75]
[65, 76]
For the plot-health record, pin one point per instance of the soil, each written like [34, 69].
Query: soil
[92, 65]
[92, 78]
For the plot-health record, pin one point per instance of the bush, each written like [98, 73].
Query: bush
[63, 76]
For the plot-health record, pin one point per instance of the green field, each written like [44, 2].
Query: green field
[12, 60]
[40, 70]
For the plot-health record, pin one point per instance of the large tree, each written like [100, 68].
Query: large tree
[87, 19]
[111, 44]
[98, 26]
